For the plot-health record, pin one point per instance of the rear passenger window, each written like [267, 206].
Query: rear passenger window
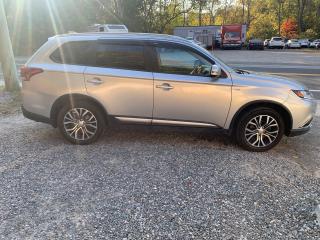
[130, 57]
[74, 53]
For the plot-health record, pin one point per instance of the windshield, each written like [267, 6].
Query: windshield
[277, 39]
[231, 35]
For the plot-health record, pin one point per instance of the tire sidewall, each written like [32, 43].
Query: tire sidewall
[240, 133]
[101, 122]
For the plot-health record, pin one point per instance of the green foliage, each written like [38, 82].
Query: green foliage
[31, 22]
[262, 27]
[310, 34]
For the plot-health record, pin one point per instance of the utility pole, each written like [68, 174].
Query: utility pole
[6, 54]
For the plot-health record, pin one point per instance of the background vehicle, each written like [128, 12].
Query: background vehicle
[255, 44]
[304, 43]
[231, 36]
[209, 35]
[196, 42]
[293, 43]
[315, 43]
[81, 82]
[276, 42]
[266, 42]
[114, 28]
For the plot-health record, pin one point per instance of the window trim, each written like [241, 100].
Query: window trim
[176, 46]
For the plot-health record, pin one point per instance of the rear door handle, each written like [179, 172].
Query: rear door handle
[95, 81]
[165, 86]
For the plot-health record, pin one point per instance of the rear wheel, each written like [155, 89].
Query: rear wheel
[260, 129]
[82, 123]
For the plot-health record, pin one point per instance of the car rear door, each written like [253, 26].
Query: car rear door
[184, 91]
[121, 81]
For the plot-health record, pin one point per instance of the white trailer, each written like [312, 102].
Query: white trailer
[114, 28]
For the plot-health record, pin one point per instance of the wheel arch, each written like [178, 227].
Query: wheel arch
[71, 99]
[280, 108]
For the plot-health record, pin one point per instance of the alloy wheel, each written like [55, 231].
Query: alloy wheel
[261, 131]
[80, 124]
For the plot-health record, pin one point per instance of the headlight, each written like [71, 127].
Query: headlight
[305, 94]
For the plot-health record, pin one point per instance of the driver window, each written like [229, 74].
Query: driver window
[183, 62]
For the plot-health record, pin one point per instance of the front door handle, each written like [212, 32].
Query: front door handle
[95, 81]
[165, 86]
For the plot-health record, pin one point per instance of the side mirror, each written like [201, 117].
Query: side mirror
[215, 71]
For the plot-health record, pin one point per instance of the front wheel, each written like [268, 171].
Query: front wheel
[260, 130]
[83, 123]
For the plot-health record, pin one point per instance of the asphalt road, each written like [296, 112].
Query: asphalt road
[300, 65]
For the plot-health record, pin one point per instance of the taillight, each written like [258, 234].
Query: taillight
[27, 73]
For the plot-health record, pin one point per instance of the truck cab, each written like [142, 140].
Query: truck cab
[231, 36]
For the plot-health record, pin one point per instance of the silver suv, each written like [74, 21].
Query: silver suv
[82, 82]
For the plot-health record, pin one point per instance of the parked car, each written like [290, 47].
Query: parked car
[293, 43]
[266, 42]
[276, 42]
[304, 43]
[255, 44]
[315, 43]
[82, 82]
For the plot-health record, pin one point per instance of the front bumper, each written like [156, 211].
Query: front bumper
[300, 131]
[232, 45]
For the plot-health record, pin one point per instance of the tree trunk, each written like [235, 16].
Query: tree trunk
[248, 13]
[301, 7]
[184, 12]
[6, 54]
[200, 14]
[243, 12]
[279, 18]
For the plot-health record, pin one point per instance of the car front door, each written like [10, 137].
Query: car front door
[121, 81]
[184, 91]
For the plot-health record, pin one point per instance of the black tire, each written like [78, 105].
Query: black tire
[94, 110]
[244, 122]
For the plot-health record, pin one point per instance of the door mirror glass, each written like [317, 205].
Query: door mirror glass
[215, 71]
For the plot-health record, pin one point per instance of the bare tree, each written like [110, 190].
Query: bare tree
[200, 5]
[211, 8]
[248, 12]
[243, 4]
[280, 8]
[301, 7]
[226, 6]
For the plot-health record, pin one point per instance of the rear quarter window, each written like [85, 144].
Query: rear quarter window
[73, 53]
[128, 57]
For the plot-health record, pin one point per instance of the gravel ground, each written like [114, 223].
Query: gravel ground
[155, 183]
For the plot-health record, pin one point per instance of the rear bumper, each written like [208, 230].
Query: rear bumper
[275, 46]
[35, 117]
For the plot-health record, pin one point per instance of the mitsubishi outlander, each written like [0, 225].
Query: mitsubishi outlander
[82, 82]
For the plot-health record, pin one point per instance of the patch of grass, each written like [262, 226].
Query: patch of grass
[10, 102]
